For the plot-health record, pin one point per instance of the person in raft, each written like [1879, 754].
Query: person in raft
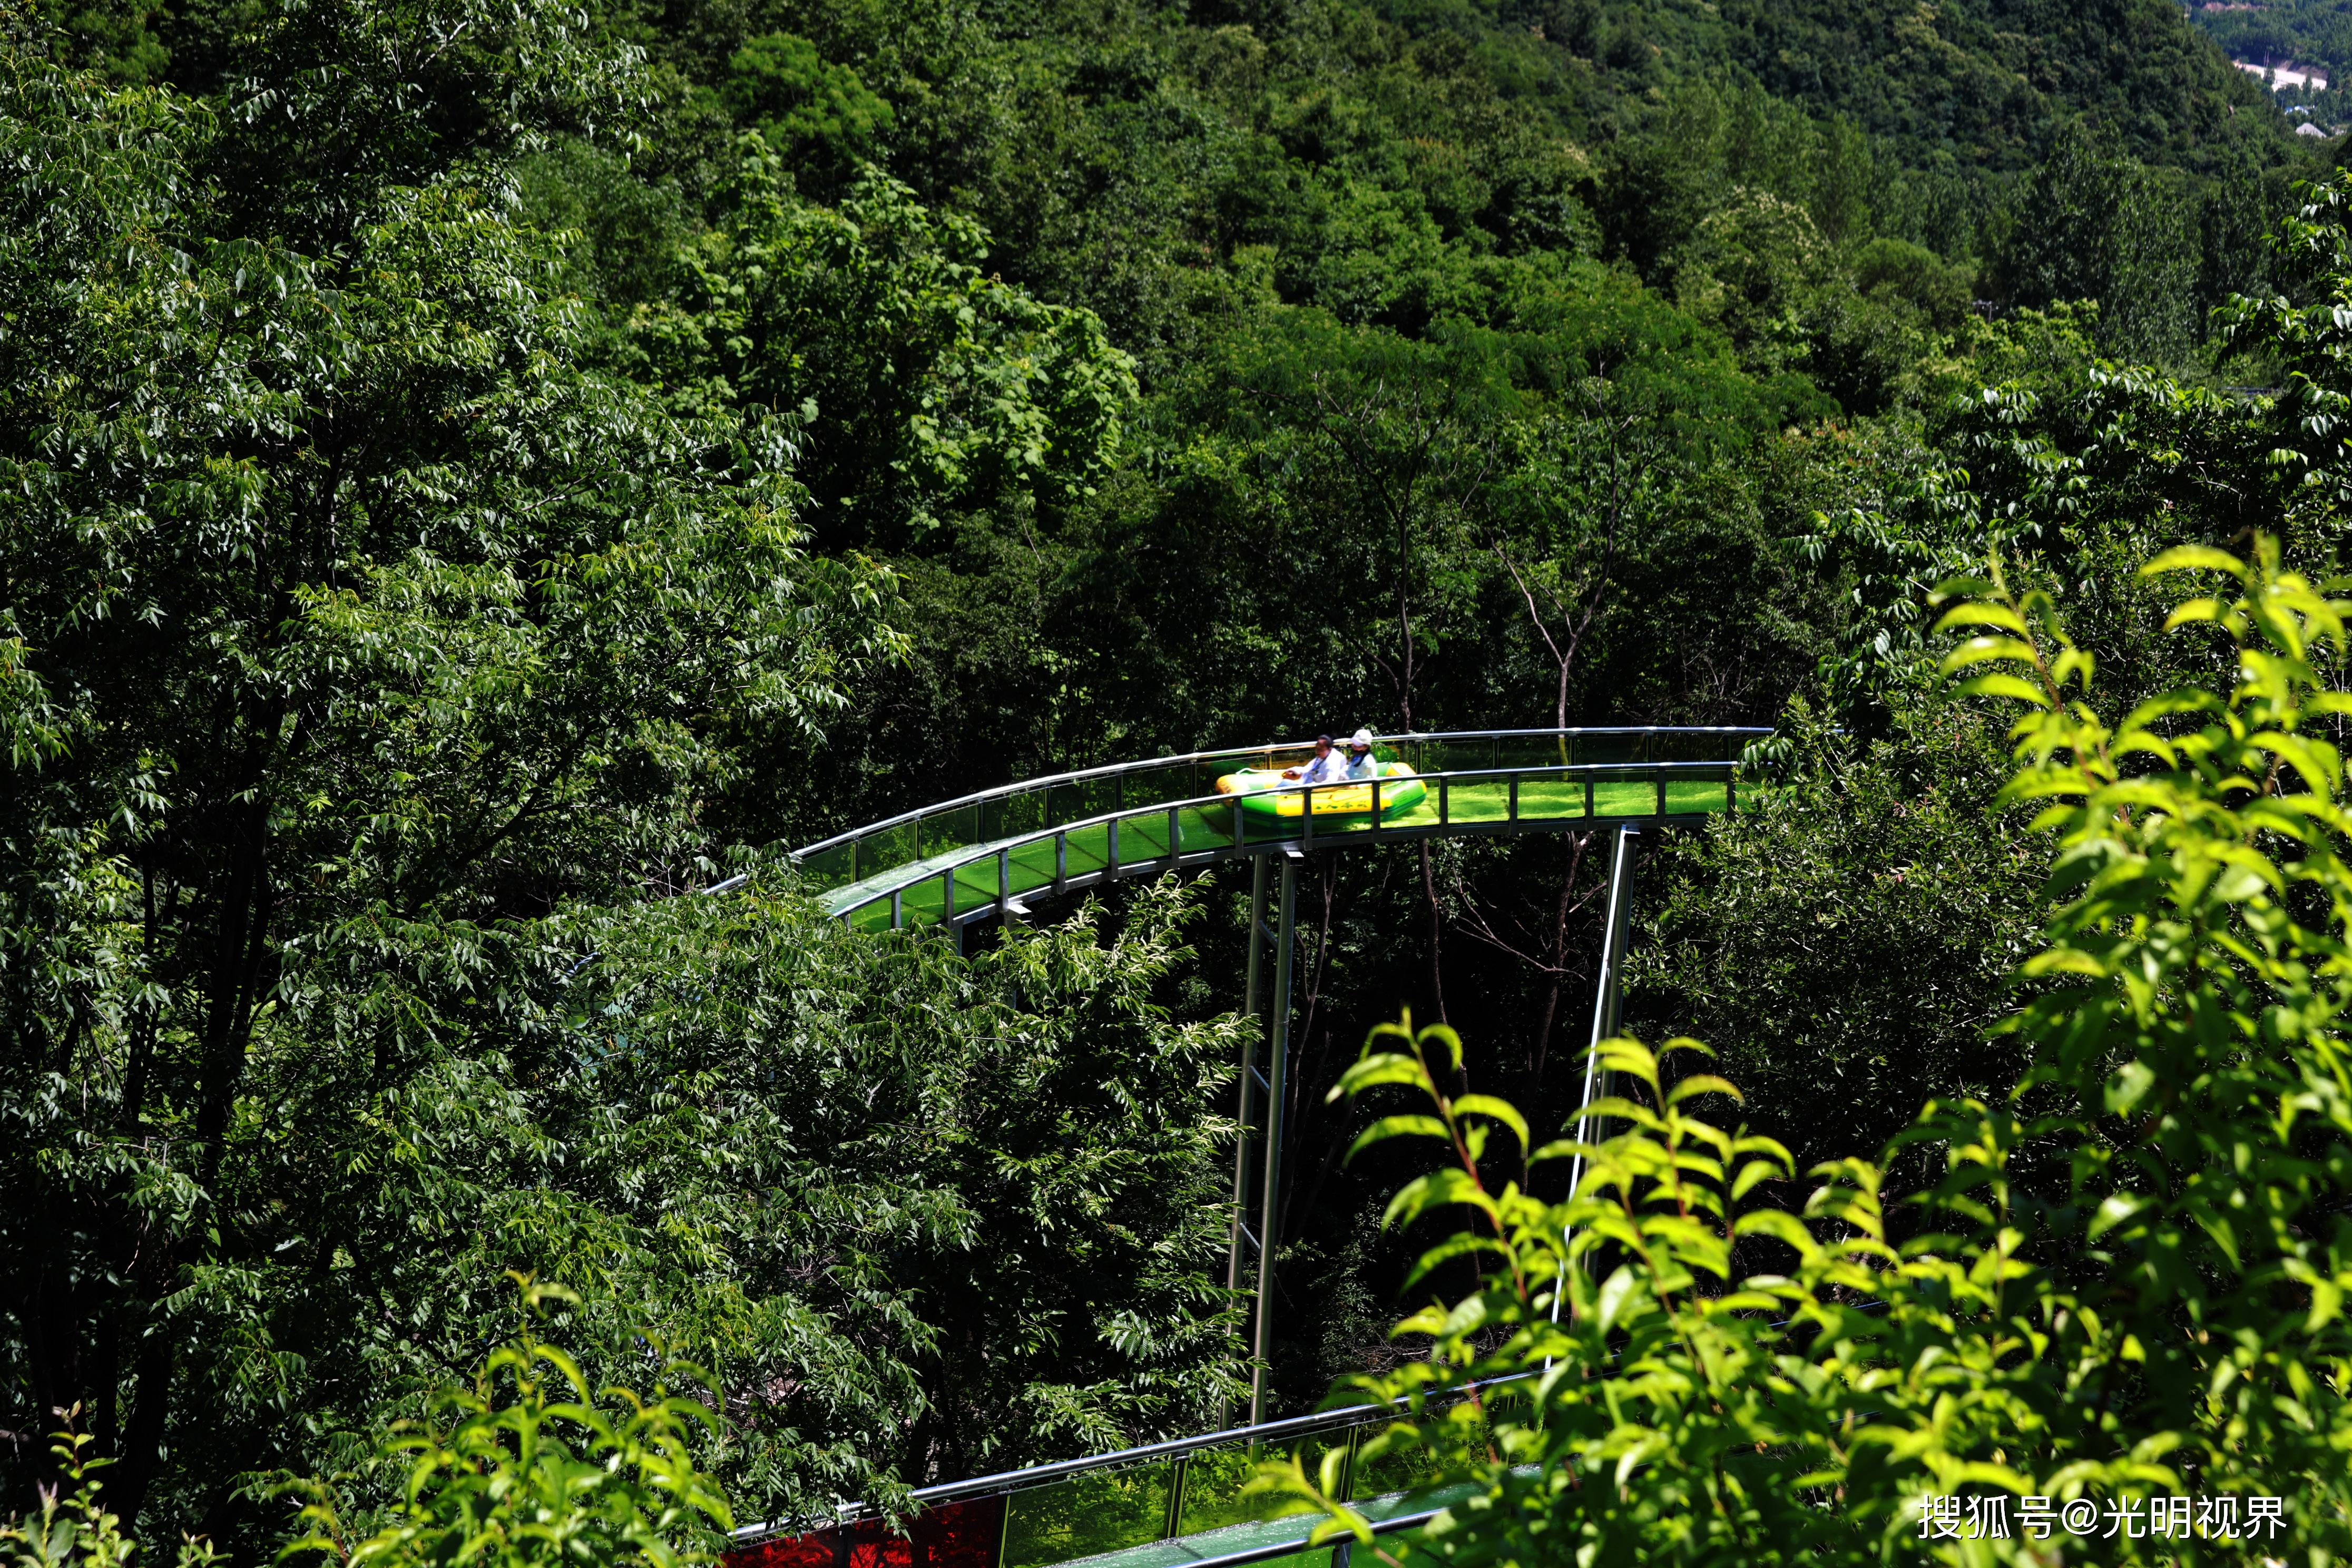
[1326, 767]
[1361, 764]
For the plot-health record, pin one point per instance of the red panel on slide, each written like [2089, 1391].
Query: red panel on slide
[954, 1535]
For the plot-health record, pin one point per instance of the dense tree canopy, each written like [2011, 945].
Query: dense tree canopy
[372, 657]
[473, 478]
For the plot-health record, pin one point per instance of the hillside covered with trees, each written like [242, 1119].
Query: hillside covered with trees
[474, 476]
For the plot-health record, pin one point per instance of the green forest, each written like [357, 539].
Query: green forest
[476, 475]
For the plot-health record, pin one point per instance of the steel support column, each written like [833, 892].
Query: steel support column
[1242, 1141]
[1277, 1083]
[1249, 1070]
[1607, 1001]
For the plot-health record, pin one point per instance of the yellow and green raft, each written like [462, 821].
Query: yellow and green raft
[1265, 792]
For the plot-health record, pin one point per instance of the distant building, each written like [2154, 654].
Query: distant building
[2307, 129]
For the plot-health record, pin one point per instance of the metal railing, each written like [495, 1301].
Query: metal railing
[971, 858]
[1188, 1487]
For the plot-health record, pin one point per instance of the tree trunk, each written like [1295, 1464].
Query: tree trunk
[1576, 844]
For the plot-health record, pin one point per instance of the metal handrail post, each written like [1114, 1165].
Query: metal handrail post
[1278, 1081]
[1171, 1523]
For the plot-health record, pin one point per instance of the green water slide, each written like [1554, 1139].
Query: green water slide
[986, 856]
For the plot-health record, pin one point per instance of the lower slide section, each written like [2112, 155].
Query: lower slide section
[989, 1532]
[969, 1534]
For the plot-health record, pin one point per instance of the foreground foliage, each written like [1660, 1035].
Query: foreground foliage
[531, 1465]
[2128, 1279]
[75, 1528]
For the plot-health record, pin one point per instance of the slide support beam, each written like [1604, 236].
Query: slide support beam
[1277, 1086]
[1249, 1075]
[1608, 1002]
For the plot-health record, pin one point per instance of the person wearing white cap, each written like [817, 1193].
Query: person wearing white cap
[1361, 764]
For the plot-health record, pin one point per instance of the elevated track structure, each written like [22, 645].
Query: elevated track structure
[998, 855]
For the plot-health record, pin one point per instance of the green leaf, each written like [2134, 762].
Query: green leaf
[1703, 1083]
[1616, 1293]
[1371, 1071]
[1976, 650]
[2194, 558]
[2004, 686]
[2115, 1209]
[1984, 613]
[1408, 1125]
[1501, 1111]
[2192, 611]
[2127, 1086]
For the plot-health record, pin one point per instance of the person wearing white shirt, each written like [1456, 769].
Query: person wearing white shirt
[1362, 763]
[1327, 767]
